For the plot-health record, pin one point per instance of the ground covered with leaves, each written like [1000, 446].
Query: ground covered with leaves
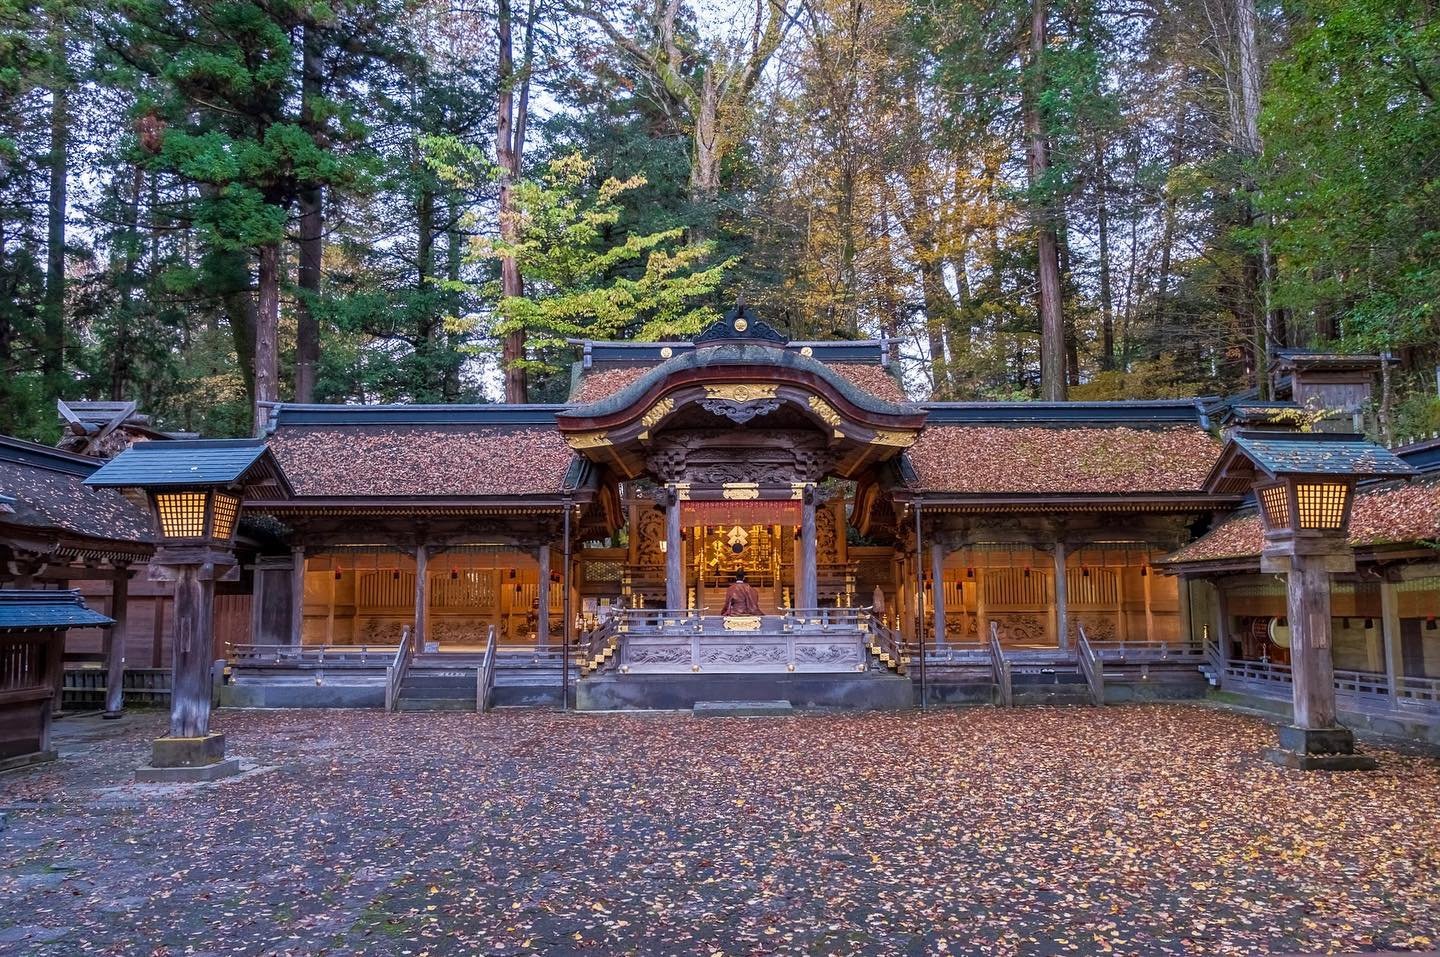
[1147, 829]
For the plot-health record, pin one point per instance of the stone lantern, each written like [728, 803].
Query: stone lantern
[1304, 484]
[195, 490]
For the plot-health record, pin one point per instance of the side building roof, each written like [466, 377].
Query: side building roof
[1029, 454]
[28, 609]
[422, 451]
[48, 500]
[1386, 515]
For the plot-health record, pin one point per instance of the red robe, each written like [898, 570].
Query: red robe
[741, 599]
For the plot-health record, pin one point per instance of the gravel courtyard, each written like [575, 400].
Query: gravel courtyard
[1127, 830]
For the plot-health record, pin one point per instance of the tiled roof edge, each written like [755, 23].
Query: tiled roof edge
[1129, 412]
[21, 452]
[286, 415]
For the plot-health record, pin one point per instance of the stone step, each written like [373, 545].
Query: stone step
[436, 704]
[741, 709]
[1061, 696]
[440, 693]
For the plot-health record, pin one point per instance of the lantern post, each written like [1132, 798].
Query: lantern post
[1304, 486]
[195, 490]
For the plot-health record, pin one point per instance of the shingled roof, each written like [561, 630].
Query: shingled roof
[1010, 460]
[49, 495]
[874, 379]
[404, 451]
[24, 609]
[1389, 514]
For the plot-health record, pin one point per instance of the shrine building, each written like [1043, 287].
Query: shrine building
[901, 552]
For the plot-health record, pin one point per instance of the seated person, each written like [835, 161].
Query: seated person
[740, 598]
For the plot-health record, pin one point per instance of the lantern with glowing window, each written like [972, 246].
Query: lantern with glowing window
[1304, 485]
[195, 490]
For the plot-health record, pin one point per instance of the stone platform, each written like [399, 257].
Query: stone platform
[868, 691]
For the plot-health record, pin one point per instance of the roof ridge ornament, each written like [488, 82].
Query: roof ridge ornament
[741, 326]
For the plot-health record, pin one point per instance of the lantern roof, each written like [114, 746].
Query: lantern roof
[196, 463]
[45, 610]
[1252, 454]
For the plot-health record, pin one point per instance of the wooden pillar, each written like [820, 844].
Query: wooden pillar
[157, 632]
[982, 613]
[1182, 594]
[937, 601]
[193, 651]
[422, 594]
[674, 553]
[1390, 636]
[1311, 666]
[115, 642]
[806, 572]
[1145, 577]
[1222, 622]
[542, 594]
[1122, 618]
[333, 579]
[1062, 598]
[297, 595]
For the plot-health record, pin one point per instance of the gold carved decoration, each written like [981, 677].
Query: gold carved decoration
[588, 440]
[666, 352]
[657, 412]
[741, 325]
[741, 622]
[741, 392]
[806, 351]
[893, 437]
[740, 491]
[826, 412]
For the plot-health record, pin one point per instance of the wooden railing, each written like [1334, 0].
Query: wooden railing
[814, 640]
[25, 664]
[1122, 652]
[888, 641]
[1418, 692]
[485, 674]
[312, 655]
[1090, 666]
[399, 667]
[826, 618]
[1215, 659]
[1000, 668]
[142, 687]
[1358, 687]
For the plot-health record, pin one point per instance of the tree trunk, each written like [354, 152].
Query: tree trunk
[311, 198]
[1107, 296]
[1257, 265]
[705, 165]
[509, 148]
[1052, 320]
[267, 327]
[428, 380]
[937, 314]
[453, 249]
[120, 353]
[52, 356]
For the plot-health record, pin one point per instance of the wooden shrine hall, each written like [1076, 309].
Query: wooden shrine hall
[897, 551]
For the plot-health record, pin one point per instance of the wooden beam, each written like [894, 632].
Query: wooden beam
[937, 589]
[542, 594]
[1062, 598]
[297, 596]
[1390, 637]
[422, 593]
[115, 643]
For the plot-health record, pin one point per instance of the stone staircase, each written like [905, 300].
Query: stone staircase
[438, 687]
[447, 681]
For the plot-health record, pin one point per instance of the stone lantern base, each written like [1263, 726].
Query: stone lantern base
[187, 761]
[1319, 749]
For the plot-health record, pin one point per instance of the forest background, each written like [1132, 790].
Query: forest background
[208, 204]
